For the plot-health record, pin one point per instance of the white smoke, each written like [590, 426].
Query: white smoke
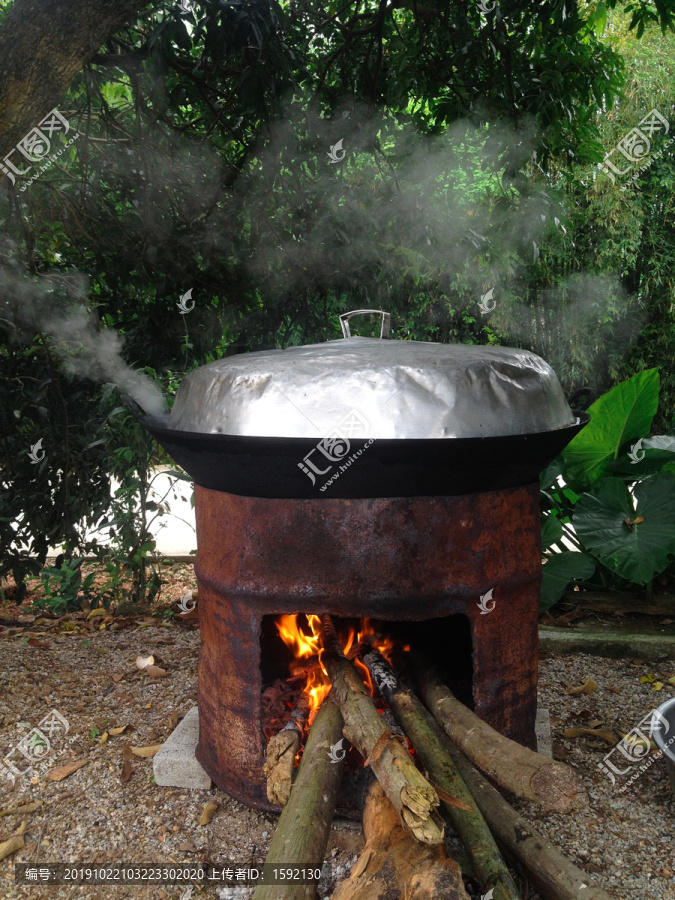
[82, 347]
[97, 354]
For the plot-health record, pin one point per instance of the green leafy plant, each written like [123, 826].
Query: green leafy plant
[63, 586]
[612, 494]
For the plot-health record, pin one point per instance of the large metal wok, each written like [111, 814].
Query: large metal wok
[367, 417]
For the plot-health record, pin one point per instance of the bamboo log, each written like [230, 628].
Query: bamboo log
[549, 871]
[413, 798]
[394, 864]
[490, 869]
[304, 825]
[529, 775]
[280, 754]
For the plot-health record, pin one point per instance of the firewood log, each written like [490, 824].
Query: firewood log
[304, 825]
[413, 798]
[489, 867]
[280, 755]
[555, 786]
[394, 864]
[548, 870]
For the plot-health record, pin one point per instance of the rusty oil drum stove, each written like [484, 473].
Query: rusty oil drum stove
[437, 512]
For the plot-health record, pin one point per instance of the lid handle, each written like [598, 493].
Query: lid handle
[386, 321]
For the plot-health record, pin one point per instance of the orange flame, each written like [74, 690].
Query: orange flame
[305, 643]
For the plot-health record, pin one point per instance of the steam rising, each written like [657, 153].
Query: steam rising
[89, 353]
[83, 348]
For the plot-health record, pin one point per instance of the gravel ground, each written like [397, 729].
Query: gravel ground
[93, 816]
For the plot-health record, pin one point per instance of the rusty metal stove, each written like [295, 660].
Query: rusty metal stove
[401, 559]
[434, 530]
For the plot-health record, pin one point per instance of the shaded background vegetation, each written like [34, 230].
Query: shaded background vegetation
[471, 146]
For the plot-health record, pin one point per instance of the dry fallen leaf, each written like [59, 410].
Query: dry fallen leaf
[64, 771]
[156, 672]
[10, 846]
[115, 731]
[127, 770]
[587, 686]
[146, 752]
[208, 812]
[34, 642]
[378, 749]
[188, 847]
[117, 678]
[127, 753]
[99, 611]
[20, 810]
[450, 799]
[103, 738]
[634, 741]
[142, 662]
[603, 733]
[614, 690]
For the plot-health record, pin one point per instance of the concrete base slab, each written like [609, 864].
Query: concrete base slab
[542, 730]
[606, 642]
[175, 764]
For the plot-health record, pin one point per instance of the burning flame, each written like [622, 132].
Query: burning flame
[306, 646]
[302, 634]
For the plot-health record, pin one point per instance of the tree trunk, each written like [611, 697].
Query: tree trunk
[491, 870]
[555, 786]
[304, 825]
[43, 45]
[394, 864]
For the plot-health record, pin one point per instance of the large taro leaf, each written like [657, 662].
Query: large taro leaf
[646, 457]
[635, 550]
[558, 571]
[551, 531]
[623, 414]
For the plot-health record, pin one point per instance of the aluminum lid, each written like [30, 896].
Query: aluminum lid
[370, 388]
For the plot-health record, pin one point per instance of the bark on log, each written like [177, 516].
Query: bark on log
[413, 798]
[394, 864]
[555, 786]
[489, 867]
[43, 45]
[280, 755]
[304, 825]
[551, 873]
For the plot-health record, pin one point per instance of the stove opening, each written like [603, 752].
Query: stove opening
[290, 666]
